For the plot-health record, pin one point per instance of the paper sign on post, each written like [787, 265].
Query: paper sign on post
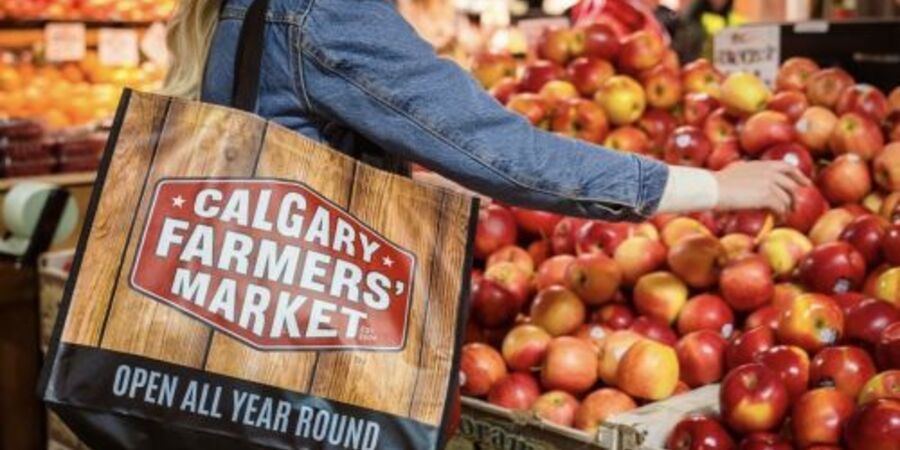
[65, 41]
[754, 49]
[118, 47]
[153, 44]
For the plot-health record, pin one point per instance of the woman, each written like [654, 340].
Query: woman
[346, 72]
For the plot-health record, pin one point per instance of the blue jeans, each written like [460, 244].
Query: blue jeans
[335, 68]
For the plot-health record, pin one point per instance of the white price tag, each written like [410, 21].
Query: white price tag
[118, 47]
[153, 44]
[65, 41]
[754, 49]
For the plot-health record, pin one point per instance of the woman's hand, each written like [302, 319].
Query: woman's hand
[759, 184]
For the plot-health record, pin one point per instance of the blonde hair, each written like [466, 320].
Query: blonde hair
[189, 37]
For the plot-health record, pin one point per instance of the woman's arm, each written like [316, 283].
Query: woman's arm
[362, 65]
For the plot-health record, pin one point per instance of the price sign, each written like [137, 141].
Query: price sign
[118, 47]
[153, 44]
[65, 42]
[754, 49]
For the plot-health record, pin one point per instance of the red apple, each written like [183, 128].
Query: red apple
[866, 234]
[622, 98]
[744, 347]
[680, 228]
[524, 347]
[594, 277]
[638, 256]
[752, 399]
[790, 103]
[845, 180]
[865, 321]
[814, 128]
[582, 119]
[765, 129]
[886, 167]
[588, 74]
[884, 284]
[513, 278]
[856, 134]
[706, 312]
[819, 416]
[884, 385]
[824, 87]
[552, 272]
[891, 126]
[557, 407]
[710, 219]
[695, 260]
[699, 433]
[534, 222]
[701, 357]
[744, 94]
[887, 350]
[657, 125]
[516, 391]
[813, 321]
[599, 406]
[514, 255]
[845, 368]
[660, 295]
[793, 154]
[890, 245]
[863, 99]
[785, 293]
[640, 51]
[614, 316]
[563, 238]
[833, 268]
[538, 73]
[752, 222]
[783, 249]
[719, 127]
[662, 86]
[723, 154]
[794, 73]
[747, 284]
[791, 364]
[809, 205]
[496, 228]
[493, 305]
[648, 370]
[481, 367]
[557, 92]
[697, 108]
[766, 316]
[654, 329]
[598, 236]
[592, 333]
[701, 76]
[561, 44]
[557, 310]
[570, 365]
[628, 139]
[847, 302]
[504, 89]
[601, 41]
[489, 68]
[532, 107]
[874, 426]
[687, 146]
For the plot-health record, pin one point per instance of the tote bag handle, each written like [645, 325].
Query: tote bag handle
[248, 63]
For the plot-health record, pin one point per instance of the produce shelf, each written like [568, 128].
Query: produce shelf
[24, 34]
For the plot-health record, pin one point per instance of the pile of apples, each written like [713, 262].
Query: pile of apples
[124, 10]
[798, 317]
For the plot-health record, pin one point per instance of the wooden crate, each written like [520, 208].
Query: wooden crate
[488, 427]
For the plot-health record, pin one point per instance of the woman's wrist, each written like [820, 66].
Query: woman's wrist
[689, 189]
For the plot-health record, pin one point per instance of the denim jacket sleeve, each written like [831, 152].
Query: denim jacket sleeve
[362, 65]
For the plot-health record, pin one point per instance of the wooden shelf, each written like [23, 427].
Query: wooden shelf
[24, 34]
[61, 179]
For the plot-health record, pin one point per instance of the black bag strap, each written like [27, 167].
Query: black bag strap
[248, 63]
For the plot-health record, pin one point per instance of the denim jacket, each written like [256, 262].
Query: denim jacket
[334, 68]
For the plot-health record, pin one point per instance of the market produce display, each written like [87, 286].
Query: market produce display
[27, 148]
[101, 10]
[70, 94]
[798, 317]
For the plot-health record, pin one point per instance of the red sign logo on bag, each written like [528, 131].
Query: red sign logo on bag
[275, 264]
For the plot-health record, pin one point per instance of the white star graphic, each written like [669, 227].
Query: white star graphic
[387, 261]
[178, 202]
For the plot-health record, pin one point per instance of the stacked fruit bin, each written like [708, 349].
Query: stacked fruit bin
[757, 331]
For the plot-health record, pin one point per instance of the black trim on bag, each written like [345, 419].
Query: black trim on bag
[99, 182]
